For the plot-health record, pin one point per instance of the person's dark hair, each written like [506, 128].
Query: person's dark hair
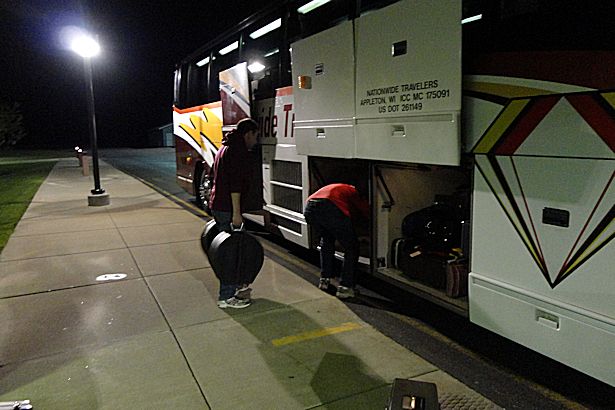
[246, 125]
[243, 126]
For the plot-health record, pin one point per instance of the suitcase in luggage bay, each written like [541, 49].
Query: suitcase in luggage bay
[435, 228]
[416, 264]
[429, 269]
[457, 279]
[397, 248]
[235, 257]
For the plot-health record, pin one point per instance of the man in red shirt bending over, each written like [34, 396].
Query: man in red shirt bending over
[334, 212]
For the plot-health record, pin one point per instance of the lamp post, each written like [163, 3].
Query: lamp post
[87, 47]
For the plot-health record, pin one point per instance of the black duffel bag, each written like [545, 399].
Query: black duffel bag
[235, 257]
[435, 228]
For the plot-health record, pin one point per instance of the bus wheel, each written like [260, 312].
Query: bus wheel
[203, 189]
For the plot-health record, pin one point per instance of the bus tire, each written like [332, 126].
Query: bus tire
[203, 186]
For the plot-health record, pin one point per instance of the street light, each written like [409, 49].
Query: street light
[87, 47]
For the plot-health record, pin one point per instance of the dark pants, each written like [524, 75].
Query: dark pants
[223, 221]
[330, 224]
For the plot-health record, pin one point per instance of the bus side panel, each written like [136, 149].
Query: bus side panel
[567, 336]
[284, 172]
[542, 254]
[184, 165]
[198, 135]
[518, 238]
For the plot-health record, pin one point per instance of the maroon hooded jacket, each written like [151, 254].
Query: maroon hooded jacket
[231, 173]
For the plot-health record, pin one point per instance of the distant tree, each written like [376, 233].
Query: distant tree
[11, 124]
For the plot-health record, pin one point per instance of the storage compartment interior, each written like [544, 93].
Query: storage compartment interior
[422, 214]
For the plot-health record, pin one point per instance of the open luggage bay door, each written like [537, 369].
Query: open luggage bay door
[408, 83]
[391, 95]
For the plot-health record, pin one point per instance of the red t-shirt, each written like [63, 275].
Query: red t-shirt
[346, 198]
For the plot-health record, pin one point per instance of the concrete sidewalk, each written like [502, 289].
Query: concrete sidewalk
[115, 307]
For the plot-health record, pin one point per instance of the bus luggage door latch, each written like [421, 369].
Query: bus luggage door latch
[398, 131]
[547, 319]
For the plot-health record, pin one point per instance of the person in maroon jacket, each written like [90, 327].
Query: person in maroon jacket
[232, 178]
[334, 211]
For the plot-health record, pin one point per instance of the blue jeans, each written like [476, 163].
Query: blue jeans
[330, 224]
[223, 221]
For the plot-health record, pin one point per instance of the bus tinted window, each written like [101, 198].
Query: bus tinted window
[369, 5]
[323, 17]
[178, 93]
[261, 49]
[196, 85]
[515, 25]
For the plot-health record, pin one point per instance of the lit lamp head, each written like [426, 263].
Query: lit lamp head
[84, 45]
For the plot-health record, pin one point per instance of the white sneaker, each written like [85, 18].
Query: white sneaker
[245, 286]
[234, 303]
[344, 293]
[244, 292]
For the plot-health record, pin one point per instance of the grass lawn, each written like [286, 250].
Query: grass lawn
[20, 177]
[17, 155]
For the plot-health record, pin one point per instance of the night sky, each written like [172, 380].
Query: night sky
[133, 77]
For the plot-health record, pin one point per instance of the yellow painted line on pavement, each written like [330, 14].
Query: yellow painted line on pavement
[314, 334]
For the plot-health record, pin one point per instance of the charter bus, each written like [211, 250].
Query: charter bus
[483, 131]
